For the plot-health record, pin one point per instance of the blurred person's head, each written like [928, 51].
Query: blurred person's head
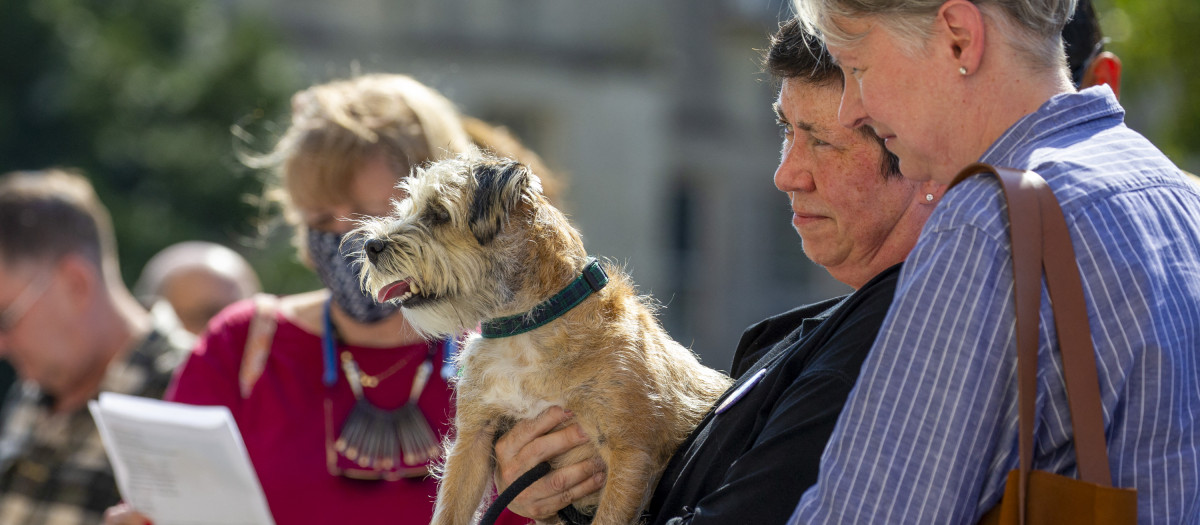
[349, 143]
[197, 279]
[1090, 63]
[66, 313]
[500, 142]
[941, 80]
[855, 214]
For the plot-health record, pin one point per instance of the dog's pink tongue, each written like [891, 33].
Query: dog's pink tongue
[393, 290]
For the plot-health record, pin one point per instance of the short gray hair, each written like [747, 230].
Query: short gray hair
[49, 214]
[1034, 27]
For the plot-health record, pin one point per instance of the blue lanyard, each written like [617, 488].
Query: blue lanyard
[330, 348]
[329, 351]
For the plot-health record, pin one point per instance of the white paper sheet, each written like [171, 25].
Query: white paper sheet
[180, 464]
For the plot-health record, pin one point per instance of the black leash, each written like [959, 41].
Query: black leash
[510, 493]
[568, 514]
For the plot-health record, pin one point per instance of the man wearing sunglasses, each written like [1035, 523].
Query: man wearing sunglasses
[71, 329]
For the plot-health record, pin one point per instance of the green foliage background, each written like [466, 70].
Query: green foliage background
[1159, 47]
[140, 96]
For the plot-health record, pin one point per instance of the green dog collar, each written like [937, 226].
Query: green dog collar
[591, 280]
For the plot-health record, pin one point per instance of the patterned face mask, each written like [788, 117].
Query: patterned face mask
[337, 266]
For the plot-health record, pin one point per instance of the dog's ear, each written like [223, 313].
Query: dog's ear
[499, 187]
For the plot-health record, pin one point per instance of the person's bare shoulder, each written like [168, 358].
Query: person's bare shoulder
[305, 309]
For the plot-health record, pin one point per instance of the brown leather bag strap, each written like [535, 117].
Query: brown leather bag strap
[1024, 217]
[1040, 238]
[1075, 341]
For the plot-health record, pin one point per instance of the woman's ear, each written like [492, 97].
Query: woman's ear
[964, 26]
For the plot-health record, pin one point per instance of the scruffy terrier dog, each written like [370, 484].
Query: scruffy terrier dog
[477, 242]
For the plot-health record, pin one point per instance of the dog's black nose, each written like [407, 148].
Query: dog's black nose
[374, 247]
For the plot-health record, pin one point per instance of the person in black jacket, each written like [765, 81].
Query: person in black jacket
[752, 457]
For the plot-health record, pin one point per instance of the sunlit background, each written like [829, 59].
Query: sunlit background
[656, 114]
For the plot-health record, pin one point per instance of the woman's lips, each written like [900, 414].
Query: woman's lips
[803, 219]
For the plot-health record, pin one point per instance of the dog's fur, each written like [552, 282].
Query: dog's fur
[481, 242]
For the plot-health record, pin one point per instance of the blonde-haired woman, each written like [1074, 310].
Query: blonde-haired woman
[340, 402]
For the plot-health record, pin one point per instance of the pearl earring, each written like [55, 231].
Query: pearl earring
[962, 70]
[928, 197]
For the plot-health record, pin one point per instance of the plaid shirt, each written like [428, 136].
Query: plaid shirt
[53, 469]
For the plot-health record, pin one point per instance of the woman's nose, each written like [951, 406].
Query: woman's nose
[793, 174]
[344, 221]
[341, 226]
[850, 112]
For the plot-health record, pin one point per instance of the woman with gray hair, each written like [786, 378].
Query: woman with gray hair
[930, 431]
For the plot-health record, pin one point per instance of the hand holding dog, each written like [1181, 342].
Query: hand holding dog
[530, 442]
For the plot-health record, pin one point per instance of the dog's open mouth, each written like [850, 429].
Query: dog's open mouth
[406, 292]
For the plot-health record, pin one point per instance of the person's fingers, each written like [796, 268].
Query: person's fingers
[559, 488]
[541, 449]
[527, 430]
[530, 442]
[527, 444]
[123, 514]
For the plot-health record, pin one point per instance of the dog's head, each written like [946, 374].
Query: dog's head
[442, 253]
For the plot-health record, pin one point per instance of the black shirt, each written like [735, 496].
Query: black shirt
[751, 462]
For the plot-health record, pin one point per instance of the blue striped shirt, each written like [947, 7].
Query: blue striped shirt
[930, 431]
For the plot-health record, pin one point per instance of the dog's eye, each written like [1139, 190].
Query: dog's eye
[437, 215]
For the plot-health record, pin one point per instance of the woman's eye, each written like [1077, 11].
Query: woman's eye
[785, 129]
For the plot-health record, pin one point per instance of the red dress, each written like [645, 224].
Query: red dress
[288, 428]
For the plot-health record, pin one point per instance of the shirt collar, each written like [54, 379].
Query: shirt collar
[1063, 112]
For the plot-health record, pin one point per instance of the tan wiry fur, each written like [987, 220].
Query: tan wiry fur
[481, 242]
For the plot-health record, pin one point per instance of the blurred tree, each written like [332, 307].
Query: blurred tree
[141, 96]
[1157, 43]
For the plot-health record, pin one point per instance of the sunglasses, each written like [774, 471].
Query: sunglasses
[1077, 75]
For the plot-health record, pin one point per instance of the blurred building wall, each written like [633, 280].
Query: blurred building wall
[656, 112]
